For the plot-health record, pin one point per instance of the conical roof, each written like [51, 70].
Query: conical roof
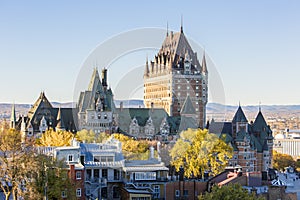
[260, 123]
[60, 123]
[239, 116]
[188, 107]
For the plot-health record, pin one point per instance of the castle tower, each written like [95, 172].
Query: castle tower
[174, 74]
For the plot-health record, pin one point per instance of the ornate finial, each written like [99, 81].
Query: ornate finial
[239, 103]
[259, 106]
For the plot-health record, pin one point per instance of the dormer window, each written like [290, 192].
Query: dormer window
[70, 158]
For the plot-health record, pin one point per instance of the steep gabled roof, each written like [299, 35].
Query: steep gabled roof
[188, 108]
[95, 80]
[177, 46]
[125, 116]
[239, 116]
[42, 102]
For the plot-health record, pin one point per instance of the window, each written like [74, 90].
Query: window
[187, 87]
[177, 193]
[104, 173]
[70, 157]
[156, 191]
[116, 192]
[105, 116]
[178, 87]
[78, 192]
[78, 175]
[185, 192]
[63, 194]
[197, 87]
[145, 176]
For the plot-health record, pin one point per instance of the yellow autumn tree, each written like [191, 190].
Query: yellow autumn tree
[133, 149]
[281, 161]
[199, 151]
[55, 138]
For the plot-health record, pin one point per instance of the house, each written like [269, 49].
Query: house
[71, 156]
[103, 165]
[145, 179]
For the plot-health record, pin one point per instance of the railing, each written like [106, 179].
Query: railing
[95, 180]
[114, 178]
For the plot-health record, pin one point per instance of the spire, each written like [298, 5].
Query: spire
[167, 30]
[181, 25]
[60, 123]
[94, 80]
[13, 117]
[146, 72]
[204, 67]
[259, 107]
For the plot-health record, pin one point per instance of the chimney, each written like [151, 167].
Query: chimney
[104, 78]
[181, 173]
[121, 106]
[72, 171]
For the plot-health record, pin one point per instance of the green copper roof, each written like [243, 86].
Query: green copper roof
[188, 107]
[239, 116]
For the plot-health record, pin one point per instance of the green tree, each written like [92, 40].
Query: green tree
[229, 192]
[55, 138]
[199, 151]
[280, 161]
[51, 178]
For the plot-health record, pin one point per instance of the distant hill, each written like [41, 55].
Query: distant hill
[214, 110]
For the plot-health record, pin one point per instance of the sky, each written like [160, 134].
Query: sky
[254, 45]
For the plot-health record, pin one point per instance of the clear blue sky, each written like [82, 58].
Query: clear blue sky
[254, 44]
